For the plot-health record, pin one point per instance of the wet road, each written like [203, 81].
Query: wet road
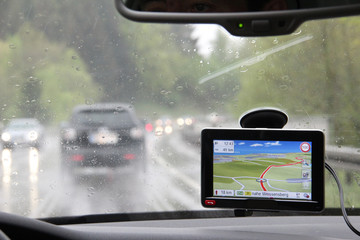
[32, 183]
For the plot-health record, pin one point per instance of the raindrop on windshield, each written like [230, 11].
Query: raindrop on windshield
[243, 69]
[179, 88]
[32, 79]
[89, 101]
[296, 33]
[285, 78]
[284, 87]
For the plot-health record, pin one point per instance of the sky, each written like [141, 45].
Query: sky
[206, 35]
[243, 147]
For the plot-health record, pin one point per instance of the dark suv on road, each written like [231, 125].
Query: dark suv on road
[104, 135]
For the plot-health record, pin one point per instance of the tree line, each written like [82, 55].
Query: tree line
[49, 63]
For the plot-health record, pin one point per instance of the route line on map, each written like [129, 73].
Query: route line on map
[269, 167]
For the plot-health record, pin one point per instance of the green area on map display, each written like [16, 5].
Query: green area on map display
[282, 172]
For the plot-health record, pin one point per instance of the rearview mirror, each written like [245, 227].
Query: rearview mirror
[241, 17]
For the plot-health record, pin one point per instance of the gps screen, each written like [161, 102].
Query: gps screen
[262, 169]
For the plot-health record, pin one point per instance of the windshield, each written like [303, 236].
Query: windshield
[179, 79]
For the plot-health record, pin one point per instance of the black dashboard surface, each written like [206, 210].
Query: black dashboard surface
[256, 227]
[306, 227]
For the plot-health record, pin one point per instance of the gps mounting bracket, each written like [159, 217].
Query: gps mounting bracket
[264, 118]
[261, 118]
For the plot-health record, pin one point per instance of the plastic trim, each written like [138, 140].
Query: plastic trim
[280, 22]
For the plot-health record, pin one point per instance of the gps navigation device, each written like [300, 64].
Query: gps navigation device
[261, 169]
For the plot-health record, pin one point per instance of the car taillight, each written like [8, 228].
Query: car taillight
[129, 156]
[149, 127]
[77, 157]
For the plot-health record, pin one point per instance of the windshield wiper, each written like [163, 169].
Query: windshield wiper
[253, 60]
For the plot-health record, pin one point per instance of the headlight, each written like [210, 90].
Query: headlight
[159, 122]
[168, 129]
[136, 133]
[69, 134]
[180, 122]
[188, 121]
[159, 131]
[6, 137]
[33, 135]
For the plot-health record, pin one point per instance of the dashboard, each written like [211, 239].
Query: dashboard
[261, 227]
[225, 228]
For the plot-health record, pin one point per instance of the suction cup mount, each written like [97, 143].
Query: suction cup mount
[264, 118]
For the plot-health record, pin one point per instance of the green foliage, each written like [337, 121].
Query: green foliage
[158, 65]
[38, 77]
[350, 183]
[92, 27]
[166, 69]
[317, 76]
[65, 84]
[161, 70]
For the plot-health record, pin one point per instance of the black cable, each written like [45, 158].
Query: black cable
[343, 210]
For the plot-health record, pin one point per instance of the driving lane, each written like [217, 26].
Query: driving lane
[33, 183]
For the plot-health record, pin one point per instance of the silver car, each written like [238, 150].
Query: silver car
[26, 132]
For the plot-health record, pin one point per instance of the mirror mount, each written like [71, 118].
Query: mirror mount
[261, 23]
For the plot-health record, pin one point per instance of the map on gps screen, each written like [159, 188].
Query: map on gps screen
[262, 169]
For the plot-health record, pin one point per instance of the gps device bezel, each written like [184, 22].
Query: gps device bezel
[316, 204]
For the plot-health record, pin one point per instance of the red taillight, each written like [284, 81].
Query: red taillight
[129, 156]
[149, 127]
[77, 158]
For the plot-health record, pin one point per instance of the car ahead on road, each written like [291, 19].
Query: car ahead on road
[103, 135]
[23, 132]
